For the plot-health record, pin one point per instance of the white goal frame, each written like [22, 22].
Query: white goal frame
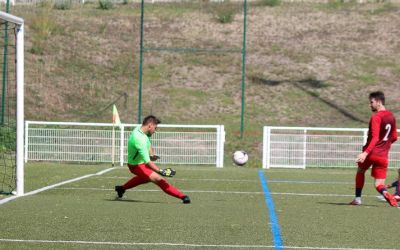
[20, 97]
[301, 147]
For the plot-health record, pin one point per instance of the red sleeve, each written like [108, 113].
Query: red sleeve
[375, 127]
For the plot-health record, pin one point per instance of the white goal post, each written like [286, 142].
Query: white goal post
[301, 147]
[92, 142]
[18, 35]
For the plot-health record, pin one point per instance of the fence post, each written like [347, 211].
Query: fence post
[266, 159]
[305, 148]
[264, 153]
[365, 136]
[220, 146]
[121, 145]
[26, 141]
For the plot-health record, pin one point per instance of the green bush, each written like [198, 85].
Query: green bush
[270, 3]
[225, 12]
[46, 4]
[62, 5]
[43, 26]
[7, 139]
[385, 8]
[105, 4]
[340, 4]
[37, 46]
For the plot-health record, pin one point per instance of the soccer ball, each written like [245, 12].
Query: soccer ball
[240, 157]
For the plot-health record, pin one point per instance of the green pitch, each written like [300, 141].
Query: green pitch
[228, 211]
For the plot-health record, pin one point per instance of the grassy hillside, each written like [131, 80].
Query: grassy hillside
[307, 64]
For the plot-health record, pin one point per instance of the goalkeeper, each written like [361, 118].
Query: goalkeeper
[141, 165]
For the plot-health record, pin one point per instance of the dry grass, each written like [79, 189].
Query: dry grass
[307, 64]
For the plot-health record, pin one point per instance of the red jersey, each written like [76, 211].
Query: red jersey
[382, 133]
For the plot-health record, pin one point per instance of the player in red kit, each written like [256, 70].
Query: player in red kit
[382, 132]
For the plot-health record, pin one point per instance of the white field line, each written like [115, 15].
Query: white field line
[198, 191]
[168, 244]
[182, 179]
[246, 180]
[54, 186]
[218, 192]
[339, 171]
[204, 168]
[311, 182]
[159, 190]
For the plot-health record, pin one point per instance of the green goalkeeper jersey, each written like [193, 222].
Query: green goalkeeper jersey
[138, 147]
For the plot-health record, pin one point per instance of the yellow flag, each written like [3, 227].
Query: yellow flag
[115, 118]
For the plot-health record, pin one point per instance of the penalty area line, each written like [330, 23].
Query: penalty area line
[218, 192]
[244, 180]
[154, 244]
[3, 201]
[169, 244]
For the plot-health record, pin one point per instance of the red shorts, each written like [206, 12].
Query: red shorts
[379, 166]
[141, 170]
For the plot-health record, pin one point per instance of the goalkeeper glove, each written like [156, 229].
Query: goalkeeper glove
[154, 157]
[168, 172]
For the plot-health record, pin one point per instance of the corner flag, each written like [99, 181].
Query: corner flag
[115, 121]
[115, 118]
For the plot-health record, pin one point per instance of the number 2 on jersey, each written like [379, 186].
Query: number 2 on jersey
[388, 127]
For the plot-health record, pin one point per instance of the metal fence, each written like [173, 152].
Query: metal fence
[299, 147]
[15, 2]
[93, 142]
[36, 2]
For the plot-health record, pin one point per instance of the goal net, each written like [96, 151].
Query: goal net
[11, 104]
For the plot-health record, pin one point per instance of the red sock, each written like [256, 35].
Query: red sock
[360, 179]
[169, 189]
[135, 181]
[381, 189]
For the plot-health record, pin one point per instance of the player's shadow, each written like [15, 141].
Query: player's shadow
[134, 201]
[343, 204]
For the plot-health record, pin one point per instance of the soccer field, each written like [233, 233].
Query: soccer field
[232, 208]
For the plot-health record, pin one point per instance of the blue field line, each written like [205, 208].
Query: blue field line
[276, 231]
[309, 182]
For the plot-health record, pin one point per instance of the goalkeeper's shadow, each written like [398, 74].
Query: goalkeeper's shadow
[133, 201]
